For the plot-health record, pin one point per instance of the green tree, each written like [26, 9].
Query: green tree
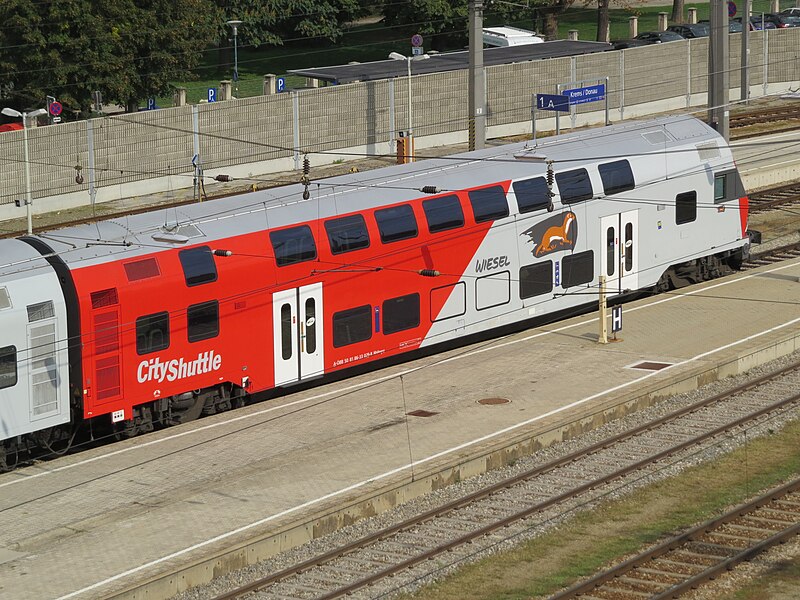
[126, 49]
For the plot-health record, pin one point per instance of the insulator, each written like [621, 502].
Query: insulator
[222, 178]
[306, 165]
[223, 253]
[429, 273]
[306, 194]
[550, 177]
[429, 189]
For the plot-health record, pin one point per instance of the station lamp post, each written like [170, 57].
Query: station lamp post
[235, 26]
[10, 112]
[410, 132]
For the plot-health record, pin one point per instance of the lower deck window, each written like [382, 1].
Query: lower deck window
[685, 207]
[535, 280]
[203, 321]
[152, 333]
[352, 325]
[401, 313]
[8, 367]
[577, 269]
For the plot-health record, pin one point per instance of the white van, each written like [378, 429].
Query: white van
[509, 36]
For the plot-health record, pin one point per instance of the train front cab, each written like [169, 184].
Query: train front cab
[34, 380]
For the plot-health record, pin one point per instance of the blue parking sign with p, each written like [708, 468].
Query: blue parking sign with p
[280, 84]
[212, 94]
[151, 104]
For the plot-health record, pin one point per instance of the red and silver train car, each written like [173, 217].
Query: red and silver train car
[164, 316]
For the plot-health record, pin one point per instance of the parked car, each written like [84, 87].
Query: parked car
[756, 23]
[691, 30]
[647, 38]
[790, 12]
[734, 26]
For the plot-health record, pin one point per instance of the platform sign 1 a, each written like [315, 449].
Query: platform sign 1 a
[552, 102]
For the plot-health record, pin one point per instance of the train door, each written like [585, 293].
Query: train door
[298, 342]
[619, 260]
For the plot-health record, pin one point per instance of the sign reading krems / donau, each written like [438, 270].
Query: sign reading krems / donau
[591, 93]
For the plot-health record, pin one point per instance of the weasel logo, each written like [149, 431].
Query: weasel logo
[559, 232]
[157, 370]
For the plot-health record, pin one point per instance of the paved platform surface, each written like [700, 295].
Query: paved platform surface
[85, 526]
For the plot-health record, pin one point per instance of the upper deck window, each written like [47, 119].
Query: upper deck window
[347, 234]
[396, 223]
[488, 203]
[198, 265]
[443, 213]
[617, 177]
[574, 186]
[293, 245]
[532, 194]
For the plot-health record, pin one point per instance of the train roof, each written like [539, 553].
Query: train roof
[206, 222]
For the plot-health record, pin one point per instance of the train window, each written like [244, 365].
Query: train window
[532, 194]
[347, 234]
[152, 333]
[293, 245]
[685, 207]
[719, 188]
[5, 300]
[629, 250]
[610, 247]
[41, 311]
[203, 321]
[493, 290]
[198, 265]
[617, 177]
[728, 186]
[286, 331]
[401, 313]
[448, 301]
[352, 325]
[311, 326]
[396, 223]
[141, 269]
[536, 279]
[443, 213]
[577, 269]
[8, 366]
[488, 203]
[574, 186]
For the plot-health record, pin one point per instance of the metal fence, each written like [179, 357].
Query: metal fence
[119, 154]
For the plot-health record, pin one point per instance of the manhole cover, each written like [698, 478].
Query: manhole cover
[651, 366]
[421, 413]
[492, 401]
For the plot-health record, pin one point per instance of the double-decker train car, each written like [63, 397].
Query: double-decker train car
[157, 318]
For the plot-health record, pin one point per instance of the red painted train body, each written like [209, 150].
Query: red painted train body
[165, 316]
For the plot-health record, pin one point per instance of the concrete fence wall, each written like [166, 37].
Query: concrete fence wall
[147, 152]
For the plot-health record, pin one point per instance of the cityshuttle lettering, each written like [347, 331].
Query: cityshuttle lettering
[488, 264]
[157, 370]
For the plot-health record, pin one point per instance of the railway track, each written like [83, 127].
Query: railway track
[783, 197]
[694, 557]
[779, 118]
[455, 531]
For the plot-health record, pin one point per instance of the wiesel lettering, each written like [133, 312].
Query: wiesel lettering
[491, 263]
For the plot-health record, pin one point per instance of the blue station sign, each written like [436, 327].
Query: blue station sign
[591, 93]
[552, 102]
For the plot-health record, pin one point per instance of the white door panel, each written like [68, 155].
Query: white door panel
[619, 260]
[298, 335]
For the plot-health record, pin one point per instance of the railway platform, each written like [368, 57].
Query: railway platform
[148, 517]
